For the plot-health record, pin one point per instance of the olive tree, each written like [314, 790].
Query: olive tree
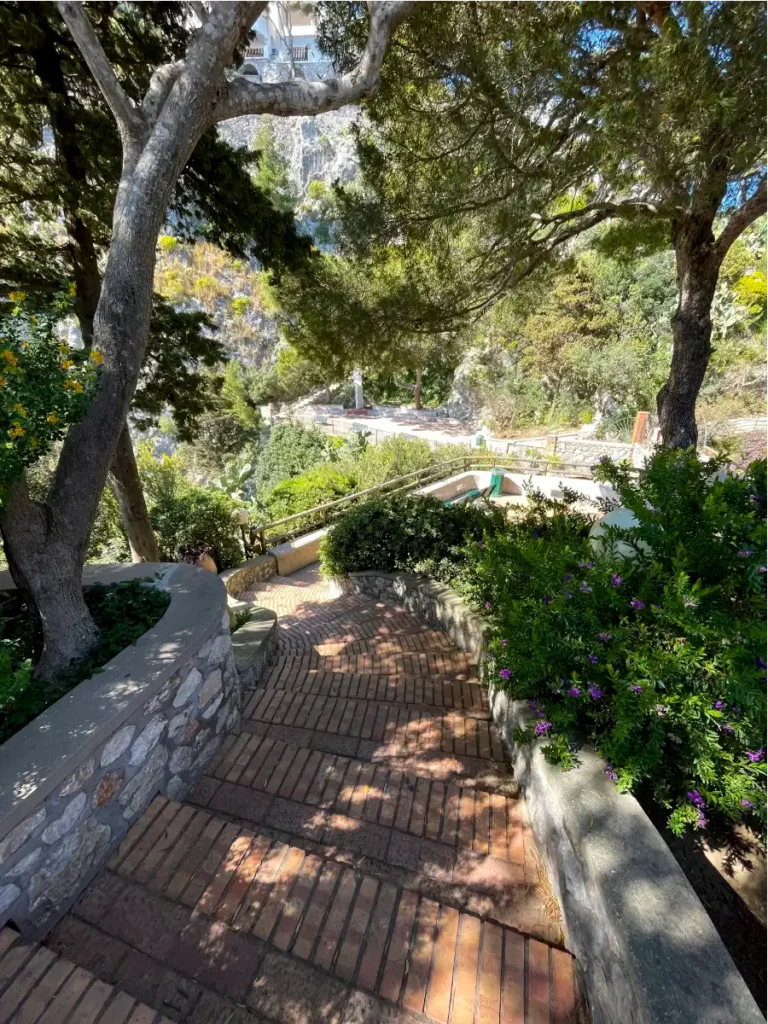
[45, 542]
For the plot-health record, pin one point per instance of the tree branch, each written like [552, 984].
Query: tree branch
[747, 214]
[297, 97]
[129, 118]
[629, 208]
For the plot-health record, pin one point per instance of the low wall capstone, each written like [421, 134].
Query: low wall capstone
[74, 780]
[245, 575]
[645, 948]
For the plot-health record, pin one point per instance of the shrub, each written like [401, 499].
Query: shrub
[192, 520]
[290, 450]
[401, 533]
[44, 386]
[122, 611]
[392, 458]
[318, 485]
[659, 659]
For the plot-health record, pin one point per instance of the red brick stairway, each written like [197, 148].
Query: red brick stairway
[356, 854]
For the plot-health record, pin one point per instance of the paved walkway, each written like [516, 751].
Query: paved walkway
[355, 854]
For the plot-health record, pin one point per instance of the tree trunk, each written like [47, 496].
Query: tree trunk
[47, 568]
[417, 391]
[698, 266]
[126, 483]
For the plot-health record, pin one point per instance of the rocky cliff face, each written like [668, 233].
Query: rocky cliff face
[317, 148]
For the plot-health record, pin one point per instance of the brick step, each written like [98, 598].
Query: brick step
[467, 695]
[499, 879]
[291, 936]
[400, 728]
[39, 987]
[350, 642]
[448, 665]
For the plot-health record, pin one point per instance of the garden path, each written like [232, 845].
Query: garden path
[356, 853]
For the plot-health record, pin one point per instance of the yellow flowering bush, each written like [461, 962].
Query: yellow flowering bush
[44, 387]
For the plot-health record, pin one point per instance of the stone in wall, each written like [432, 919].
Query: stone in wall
[48, 858]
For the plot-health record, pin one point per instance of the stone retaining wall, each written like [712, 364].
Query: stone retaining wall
[645, 948]
[578, 450]
[74, 779]
[245, 575]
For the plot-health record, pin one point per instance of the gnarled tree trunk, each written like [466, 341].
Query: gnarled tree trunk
[126, 484]
[698, 265]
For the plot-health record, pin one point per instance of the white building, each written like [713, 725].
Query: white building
[285, 43]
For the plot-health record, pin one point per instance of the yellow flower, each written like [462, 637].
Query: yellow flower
[67, 364]
[52, 417]
[33, 442]
[17, 296]
[97, 357]
[19, 408]
[2, 382]
[71, 288]
[16, 431]
[9, 357]
[73, 385]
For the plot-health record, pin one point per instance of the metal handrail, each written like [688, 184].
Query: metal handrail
[331, 509]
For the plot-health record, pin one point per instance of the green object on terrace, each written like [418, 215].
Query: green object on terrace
[461, 499]
[497, 482]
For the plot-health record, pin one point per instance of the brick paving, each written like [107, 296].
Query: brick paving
[356, 854]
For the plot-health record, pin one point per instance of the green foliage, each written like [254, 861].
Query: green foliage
[195, 520]
[657, 659]
[122, 611]
[402, 533]
[392, 458]
[290, 450]
[272, 176]
[315, 486]
[44, 387]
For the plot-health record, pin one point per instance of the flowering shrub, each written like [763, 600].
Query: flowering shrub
[658, 659]
[44, 388]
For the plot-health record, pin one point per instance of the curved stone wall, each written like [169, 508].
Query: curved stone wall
[73, 780]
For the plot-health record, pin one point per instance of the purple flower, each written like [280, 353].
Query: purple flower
[505, 673]
[696, 798]
[616, 580]
[595, 692]
[592, 658]
[605, 637]
[635, 688]
[534, 705]
[568, 594]
[746, 803]
[756, 755]
[702, 821]
[488, 606]
[574, 692]
[761, 569]
[636, 604]
[586, 565]
[567, 578]
[745, 552]
[760, 662]
[503, 643]
[547, 599]
[610, 772]
[737, 711]
[719, 705]
[542, 728]
[728, 730]
[585, 588]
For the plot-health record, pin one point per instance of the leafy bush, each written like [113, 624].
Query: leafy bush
[392, 458]
[318, 485]
[44, 386]
[402, 533]
[290, 450]
[657, 659]
[192, 520]
[122, 611]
